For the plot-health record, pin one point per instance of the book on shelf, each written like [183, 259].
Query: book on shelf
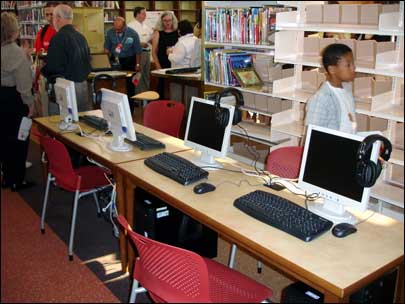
[254, 25]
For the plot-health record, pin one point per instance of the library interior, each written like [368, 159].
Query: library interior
[202, 151]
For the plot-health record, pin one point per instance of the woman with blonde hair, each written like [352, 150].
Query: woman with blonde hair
[16, 102]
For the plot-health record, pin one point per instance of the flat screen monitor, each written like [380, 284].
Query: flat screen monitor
[65, 94]
[116, 111]
[100, 62]
[203, 133]
[329, 168]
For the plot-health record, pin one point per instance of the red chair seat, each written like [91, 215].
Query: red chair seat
[92, 177]
[285, 162]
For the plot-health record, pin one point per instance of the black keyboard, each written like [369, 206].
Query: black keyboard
[96, 122]
[175, 167]
[283, 214]
[182, 70]
[144, 142]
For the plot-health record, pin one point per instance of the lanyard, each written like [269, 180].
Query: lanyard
[123, 37]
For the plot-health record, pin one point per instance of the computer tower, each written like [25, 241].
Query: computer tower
[299, 292]
[160, 221]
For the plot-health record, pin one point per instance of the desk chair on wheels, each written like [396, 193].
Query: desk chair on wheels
[175, 275]
[82, 181]
[284, 162]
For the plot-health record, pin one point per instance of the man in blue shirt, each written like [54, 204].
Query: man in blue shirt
[123, 45]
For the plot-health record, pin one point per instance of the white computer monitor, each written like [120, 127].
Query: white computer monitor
[329, 168]
[116, 111]
[204, 135]
[65, 94]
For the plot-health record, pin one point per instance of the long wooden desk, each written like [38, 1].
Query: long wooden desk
[335, 267]
[97, 150]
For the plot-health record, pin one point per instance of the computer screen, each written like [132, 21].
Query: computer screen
[65, 94]
[329, 168]
[116, 111]
[204, 134]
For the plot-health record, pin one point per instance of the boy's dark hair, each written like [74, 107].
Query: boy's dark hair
[333, 53]
[185, 27]
[52, 3]
[138, 10]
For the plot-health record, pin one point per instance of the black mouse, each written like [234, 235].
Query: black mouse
[204, 188]
[343, 229]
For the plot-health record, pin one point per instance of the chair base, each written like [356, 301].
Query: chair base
[43, 231]
[70, 258]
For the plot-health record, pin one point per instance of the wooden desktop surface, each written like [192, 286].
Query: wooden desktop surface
[335, 266]
[97, 147]
[183, 76]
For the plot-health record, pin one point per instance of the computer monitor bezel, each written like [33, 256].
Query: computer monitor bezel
[65, 95]
[227, 132]
[122, 127]
[336, 198]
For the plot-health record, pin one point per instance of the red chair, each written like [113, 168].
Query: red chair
[165, 116]
[82, 181]
[175, 275]
[285, 161]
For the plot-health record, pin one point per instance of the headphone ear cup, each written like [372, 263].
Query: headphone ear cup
[237, 116]
[366, 173]
[98, 97]
[222, 117]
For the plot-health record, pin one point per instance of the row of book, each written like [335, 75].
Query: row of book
[241, 25]
[220, 65]
[8, 5]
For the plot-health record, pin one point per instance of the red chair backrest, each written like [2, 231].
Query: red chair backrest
[164, 116]
[170, 274]
[285, 161]
[60, 164]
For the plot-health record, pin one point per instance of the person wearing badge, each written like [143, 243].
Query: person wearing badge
[124, 48]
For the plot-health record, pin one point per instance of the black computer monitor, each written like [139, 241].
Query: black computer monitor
[204, 134]
[329, 168]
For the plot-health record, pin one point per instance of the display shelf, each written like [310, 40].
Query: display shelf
[244, 159]
[397, 157]
[259, 134]
[295, 128]
[388, 193]
[240, 45]
[253, 110]
[287, 21]
[237, 4]
[265, 90]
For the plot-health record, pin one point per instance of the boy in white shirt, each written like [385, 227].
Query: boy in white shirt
[180, 55]
[332, 106]
[145, 36]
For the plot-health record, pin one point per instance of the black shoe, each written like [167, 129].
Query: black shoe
[22, 186]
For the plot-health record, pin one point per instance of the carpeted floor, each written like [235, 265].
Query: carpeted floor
[94, 244]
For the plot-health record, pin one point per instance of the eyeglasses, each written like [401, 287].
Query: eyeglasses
[50, 14]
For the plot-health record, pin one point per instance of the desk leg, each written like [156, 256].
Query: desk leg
[399, 290]
[331, 298]
[130, 201]
[120, 184]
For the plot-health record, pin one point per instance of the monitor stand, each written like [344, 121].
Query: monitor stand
[118, 144]
[204, 159]
[332, 211]
[67, 124]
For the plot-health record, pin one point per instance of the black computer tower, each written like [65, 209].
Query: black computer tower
[160, 221]
[380, 291]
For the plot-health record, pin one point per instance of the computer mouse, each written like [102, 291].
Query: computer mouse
[204, 188]
[343, 229]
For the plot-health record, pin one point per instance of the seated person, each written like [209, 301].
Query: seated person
[181, 54]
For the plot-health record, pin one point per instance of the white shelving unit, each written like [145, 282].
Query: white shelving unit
[289, 48]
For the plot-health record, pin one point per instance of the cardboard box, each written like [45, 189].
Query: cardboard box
[363, 88]
[369, 14]
[351, 43]
[365, 53]
[275, 72]
[331, 13]
[314, 14]
[249, 100]
[286, 105]
[382, 85]
[274, 105]
[363, 122]
[287, 73]
[350, 14]
[310, 81]
[390, 8]
[261, 103]
[399, 135]
[401, 94]
[379, 124]
[385, 46]
[324, 42]
[311, 46]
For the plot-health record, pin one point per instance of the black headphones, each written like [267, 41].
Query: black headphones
[221, 114]
[367, 171]
[97, 96]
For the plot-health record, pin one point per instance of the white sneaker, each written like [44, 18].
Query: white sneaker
[28, 164]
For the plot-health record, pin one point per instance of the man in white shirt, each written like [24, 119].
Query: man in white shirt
[145, 35]
[182, 53]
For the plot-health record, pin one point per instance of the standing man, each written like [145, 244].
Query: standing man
[123, 45]
[69, 57]
[145, 35]
[46, 32]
